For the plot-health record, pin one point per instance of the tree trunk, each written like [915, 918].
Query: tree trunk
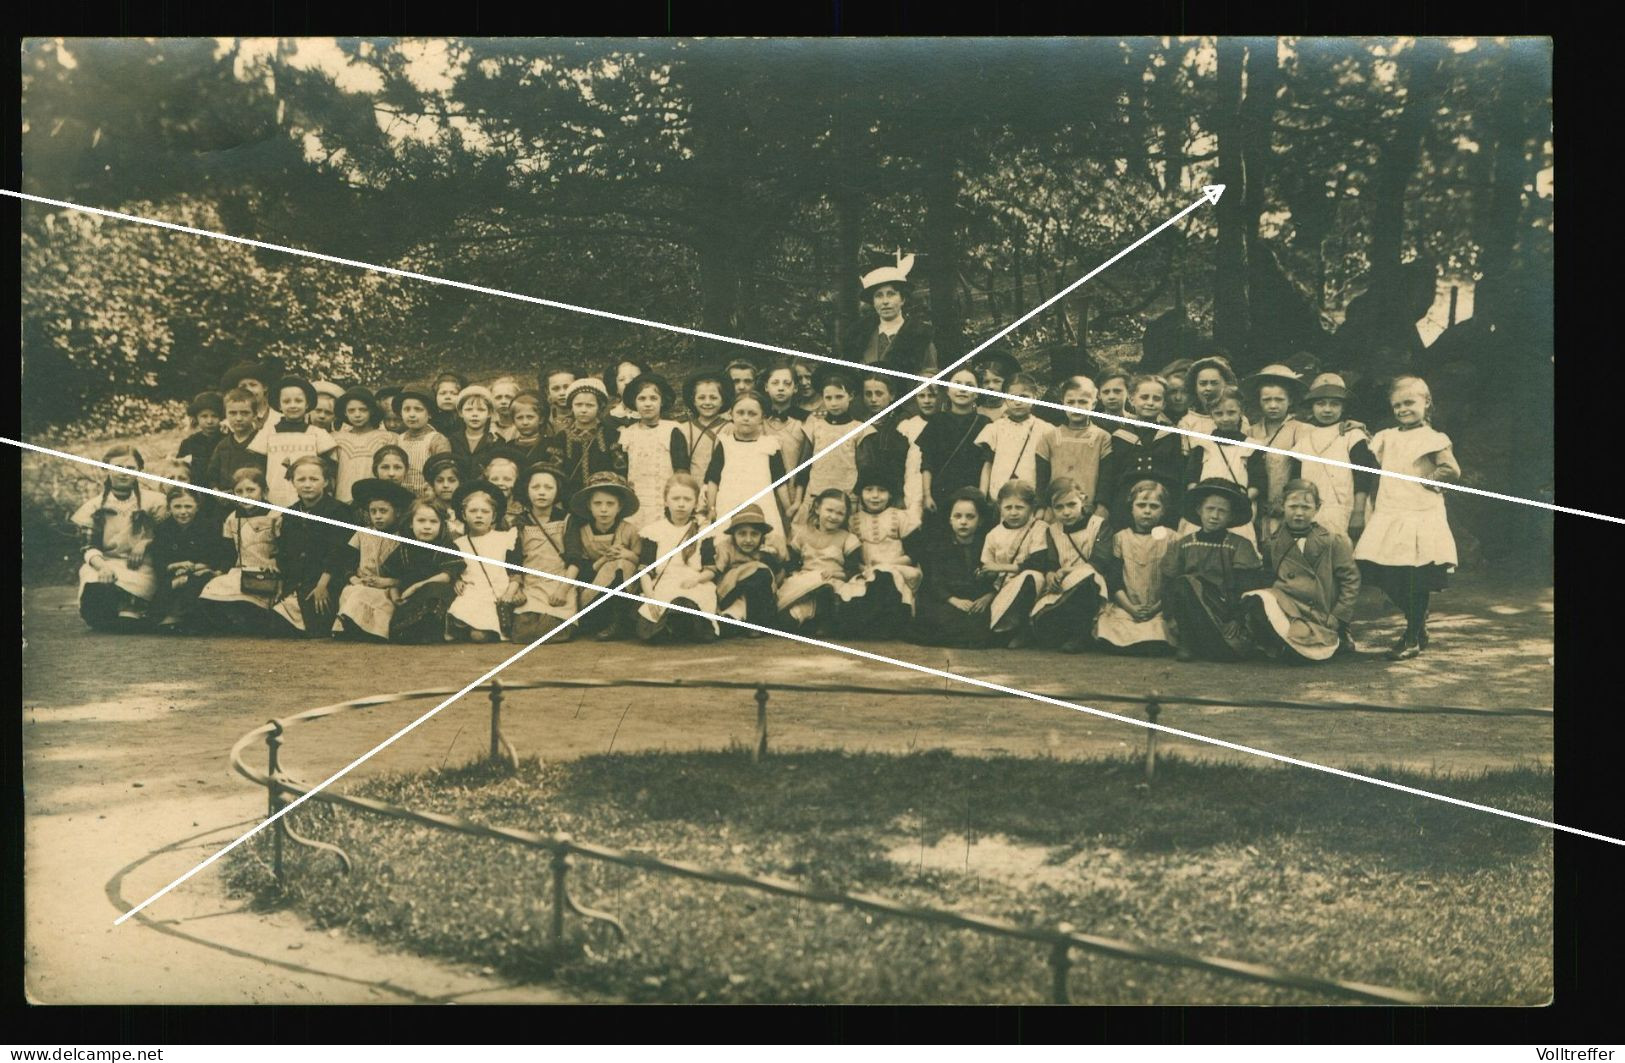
[1230, 316]
[942, 252]
[1402, 154]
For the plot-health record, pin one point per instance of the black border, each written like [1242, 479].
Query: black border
[1589, 873]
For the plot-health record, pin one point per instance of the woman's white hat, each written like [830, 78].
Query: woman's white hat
[897, 274]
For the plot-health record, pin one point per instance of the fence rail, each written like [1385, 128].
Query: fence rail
[1060, 942]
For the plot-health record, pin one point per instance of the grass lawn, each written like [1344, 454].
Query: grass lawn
[1313, 874]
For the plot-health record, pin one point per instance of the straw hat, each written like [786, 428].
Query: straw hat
[1278, 375]
[749, 517]
[604, 481]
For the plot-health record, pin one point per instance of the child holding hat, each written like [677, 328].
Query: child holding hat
[118, 581]
[1206, 572]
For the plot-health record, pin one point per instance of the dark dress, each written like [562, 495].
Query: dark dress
[1142, 453]
[885, 452]
[950, 572]
[912, 350]
[196, 450]
[1204, 577]
[422, 617]
[199, 542]
[227, 457]
[948, 451]
[306, 551]
[471, 460]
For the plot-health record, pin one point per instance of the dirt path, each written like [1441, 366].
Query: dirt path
[125, 743]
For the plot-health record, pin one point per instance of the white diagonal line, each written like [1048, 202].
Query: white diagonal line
[851, 651]
[772, 348]
[1209, 196]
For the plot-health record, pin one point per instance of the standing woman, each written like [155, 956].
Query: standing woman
[903, 343]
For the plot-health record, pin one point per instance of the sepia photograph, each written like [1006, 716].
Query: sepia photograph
[1059, 521]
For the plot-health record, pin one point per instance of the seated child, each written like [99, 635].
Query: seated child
[881, 526]
[955, 594]
[599, 540]
[424, 579]
[1064, 614]
[311, 554]
[1132, 620]
[683, 579]
[480, 612]
[825, 562]
[117, 581]
[241, 598]
[186, 553]
[540, 604]
[365, 605]
[1306, 612]
[746, 569]
[1206, 572]
[1016, 555]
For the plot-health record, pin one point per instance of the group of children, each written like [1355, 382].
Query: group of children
[962, 518]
